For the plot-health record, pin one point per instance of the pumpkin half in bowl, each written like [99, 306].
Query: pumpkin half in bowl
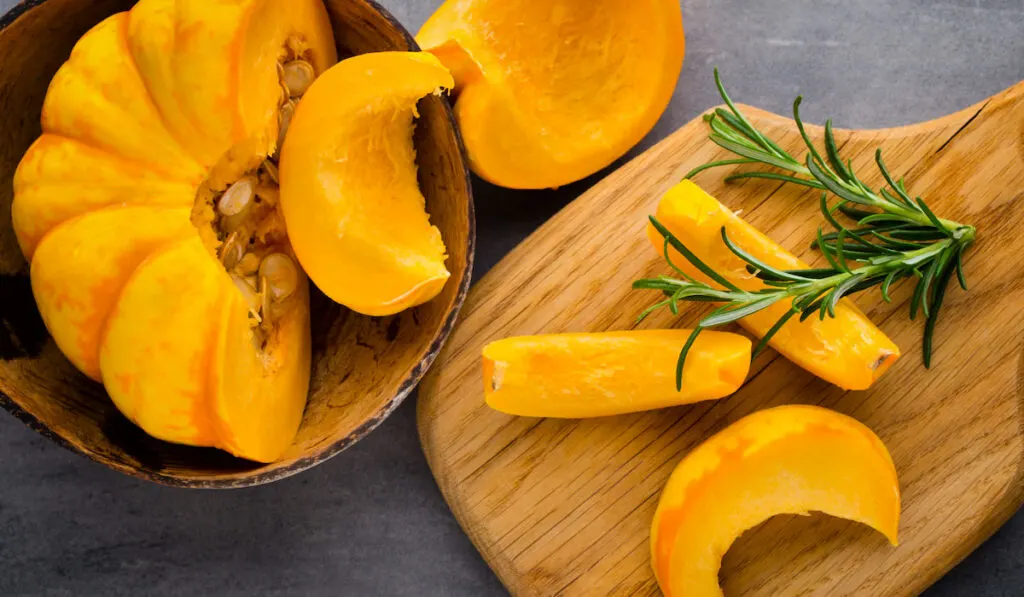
[162, 233]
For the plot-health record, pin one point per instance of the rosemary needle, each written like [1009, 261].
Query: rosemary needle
[895, 237]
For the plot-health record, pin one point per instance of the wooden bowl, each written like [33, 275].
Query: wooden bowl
[362, 366]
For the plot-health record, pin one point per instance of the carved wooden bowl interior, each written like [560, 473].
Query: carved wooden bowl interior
[362, 366]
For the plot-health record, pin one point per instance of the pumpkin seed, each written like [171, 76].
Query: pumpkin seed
[238, 197]
[297, 76]
[231, 254]
[280, 275]
[287, 111]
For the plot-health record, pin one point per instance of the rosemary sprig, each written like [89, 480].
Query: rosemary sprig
[895, 237]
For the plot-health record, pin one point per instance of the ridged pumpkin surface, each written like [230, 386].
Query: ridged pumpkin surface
[156, 107]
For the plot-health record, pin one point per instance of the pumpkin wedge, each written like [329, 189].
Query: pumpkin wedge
[609, 373]
[148, 211]
[549, 92]
[349, 193]
[846, 350]
[783, 460]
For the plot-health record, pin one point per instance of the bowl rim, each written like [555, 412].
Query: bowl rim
[379, 416]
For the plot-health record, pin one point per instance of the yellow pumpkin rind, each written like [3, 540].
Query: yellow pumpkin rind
[785, 460]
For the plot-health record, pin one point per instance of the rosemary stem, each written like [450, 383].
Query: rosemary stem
[872, 270]
[876, 201]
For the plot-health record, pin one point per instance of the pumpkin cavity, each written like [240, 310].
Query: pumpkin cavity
[237, 209]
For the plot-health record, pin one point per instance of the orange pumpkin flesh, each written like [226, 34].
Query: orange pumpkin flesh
[846, 350]
[550, 92]
[609, 373]
[349, 193]
[784, 460]
[157, 112]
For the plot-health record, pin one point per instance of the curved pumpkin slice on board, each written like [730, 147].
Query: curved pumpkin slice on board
[351, 201]
[149, 212]
[551, 92]
[846, 350]
[609, 373]
[784, 460]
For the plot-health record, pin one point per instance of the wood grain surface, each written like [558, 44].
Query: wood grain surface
[363, 367]
[564, 507]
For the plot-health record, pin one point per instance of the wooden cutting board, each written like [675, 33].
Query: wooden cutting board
[564, 507]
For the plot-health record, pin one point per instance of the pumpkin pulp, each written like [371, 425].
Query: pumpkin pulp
[240, 221]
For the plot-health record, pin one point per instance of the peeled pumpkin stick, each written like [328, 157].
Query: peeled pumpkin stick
[846, 350]
[609, 373]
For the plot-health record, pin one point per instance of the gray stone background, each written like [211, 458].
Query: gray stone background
[371, 521]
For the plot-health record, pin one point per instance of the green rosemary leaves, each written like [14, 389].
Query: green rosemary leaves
[893, 236]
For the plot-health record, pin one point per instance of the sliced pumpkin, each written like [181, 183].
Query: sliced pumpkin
[351, 201]
[847, 350]
[549, 92]
[609, 373]
[148, 210]
[783, 460]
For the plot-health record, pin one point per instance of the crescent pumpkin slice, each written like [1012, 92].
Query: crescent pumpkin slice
[549, 92]
[148, 211]
[783, 460]
[349, 192]
[847, 350]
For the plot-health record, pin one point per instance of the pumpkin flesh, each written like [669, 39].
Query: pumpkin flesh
[548, 93]
[609, 373]
[349, 192]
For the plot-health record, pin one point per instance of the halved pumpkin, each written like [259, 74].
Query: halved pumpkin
[148, 211]
[548, 92]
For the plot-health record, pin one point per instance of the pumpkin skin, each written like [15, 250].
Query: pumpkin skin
[790, 459]
[551, 91]
[153, 105]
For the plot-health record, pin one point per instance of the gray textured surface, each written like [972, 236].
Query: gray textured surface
[371, 521]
